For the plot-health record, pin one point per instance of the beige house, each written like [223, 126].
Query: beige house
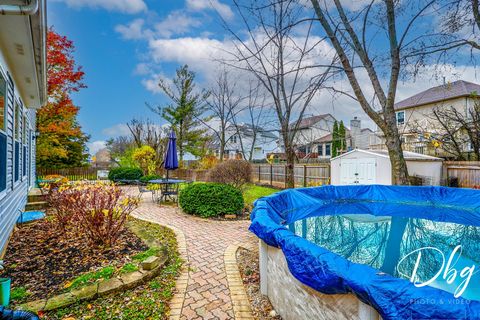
[417, 122]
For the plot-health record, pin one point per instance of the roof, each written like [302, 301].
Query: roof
[440, 93]
[23, 31]
[248, 129]
[409, 156]
[329, 137]
[310, 121]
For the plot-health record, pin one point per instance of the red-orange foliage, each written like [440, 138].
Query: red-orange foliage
[63, 74]
[61, 141]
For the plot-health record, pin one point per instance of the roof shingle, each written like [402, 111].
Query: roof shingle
[444, 92]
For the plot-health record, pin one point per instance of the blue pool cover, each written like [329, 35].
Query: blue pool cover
[29, 216]
[330, 273]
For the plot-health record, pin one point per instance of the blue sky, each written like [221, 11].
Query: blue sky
[119, 69]
[125, 46]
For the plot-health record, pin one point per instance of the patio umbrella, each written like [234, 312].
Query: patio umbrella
[171, 160]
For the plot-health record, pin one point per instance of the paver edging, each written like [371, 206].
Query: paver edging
[240, 301]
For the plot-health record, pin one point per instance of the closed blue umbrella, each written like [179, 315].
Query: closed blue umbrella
[171, 160]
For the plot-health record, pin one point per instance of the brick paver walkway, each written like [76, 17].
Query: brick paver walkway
[207, 294]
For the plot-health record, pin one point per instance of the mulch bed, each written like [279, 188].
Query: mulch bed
[43, 259]
[249, 269]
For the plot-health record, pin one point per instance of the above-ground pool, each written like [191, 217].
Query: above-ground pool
[409, 252]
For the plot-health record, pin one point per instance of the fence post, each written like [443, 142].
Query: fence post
[271, 174]
[259, 173]
[304, 175]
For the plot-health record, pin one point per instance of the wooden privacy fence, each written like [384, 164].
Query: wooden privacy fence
[73, 174]
[465, 173]
[305, 175]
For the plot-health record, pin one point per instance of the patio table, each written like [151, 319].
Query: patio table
[168, 187]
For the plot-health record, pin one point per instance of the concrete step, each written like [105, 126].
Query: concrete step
[36, 198]
[35, 195]
[38, 205]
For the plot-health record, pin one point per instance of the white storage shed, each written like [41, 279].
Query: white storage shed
[373, 167]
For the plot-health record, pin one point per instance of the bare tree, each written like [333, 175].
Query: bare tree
[255, 116]
[462, 23]
[224, 104]
[119, 146]
[353, 35]
[145, 132]
[280, 55]
[459, 130]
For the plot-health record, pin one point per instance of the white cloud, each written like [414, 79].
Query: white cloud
[142, 69]
[134, 30]
[197, 52]
[124, 6]
[176, 22]
[223, 10]
[117, 130]
[95, 146]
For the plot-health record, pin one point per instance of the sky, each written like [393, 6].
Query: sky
[126, 46]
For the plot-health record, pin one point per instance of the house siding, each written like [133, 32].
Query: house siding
[14, 198]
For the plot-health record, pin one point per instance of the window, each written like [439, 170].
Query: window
[400, 117]
[3, 136]
[320, 150]
[328, 149]
[234, 139]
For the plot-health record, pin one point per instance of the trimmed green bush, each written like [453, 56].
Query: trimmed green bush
[117, 174]
[149, 177]
[211, 199]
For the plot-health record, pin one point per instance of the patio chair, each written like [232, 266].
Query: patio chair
[170, 191]
[142, 188]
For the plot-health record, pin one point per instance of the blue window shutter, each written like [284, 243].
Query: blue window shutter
[17, 160]
[24, 171]
[3, 161]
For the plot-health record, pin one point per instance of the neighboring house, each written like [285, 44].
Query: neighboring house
[312, 128]
[319, 145]
[416, 121]
[240, 142]
[22, 90]
[102, 159]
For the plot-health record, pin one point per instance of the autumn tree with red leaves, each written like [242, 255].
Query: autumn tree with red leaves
[61, 142]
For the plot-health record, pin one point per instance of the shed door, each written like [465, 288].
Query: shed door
[358, 171]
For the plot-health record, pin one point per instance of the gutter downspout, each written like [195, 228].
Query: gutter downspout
[25, 10]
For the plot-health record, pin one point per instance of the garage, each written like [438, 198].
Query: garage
[373, 167]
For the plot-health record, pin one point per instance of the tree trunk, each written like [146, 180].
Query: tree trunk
[290, 172]
[399, 165]
[222, 145]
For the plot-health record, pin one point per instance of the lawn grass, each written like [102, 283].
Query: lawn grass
[252, 192]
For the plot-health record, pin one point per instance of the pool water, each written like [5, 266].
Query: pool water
[443, 255]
